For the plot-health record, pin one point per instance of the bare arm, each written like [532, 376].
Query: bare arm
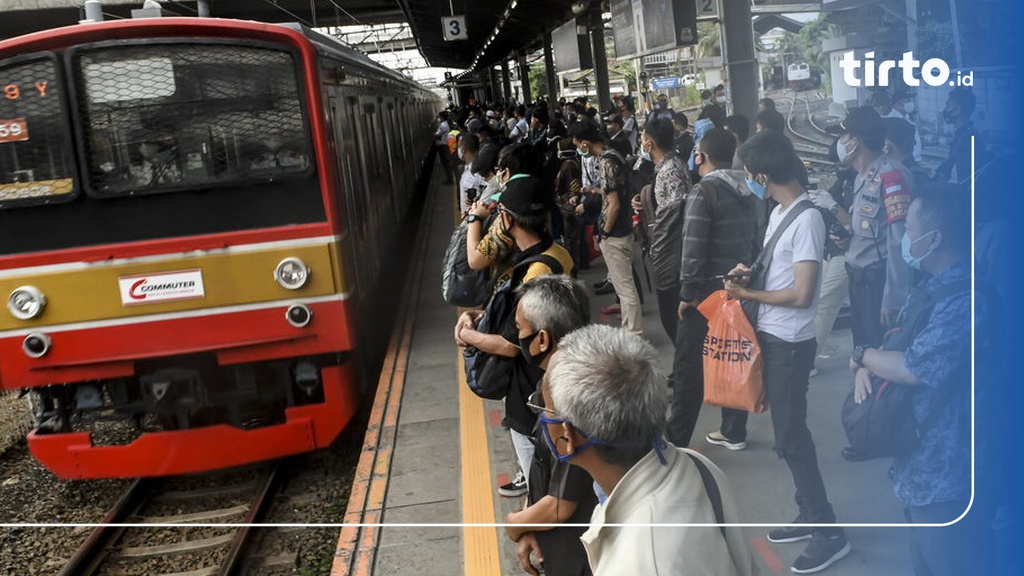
[547, 510]
[490, 343]
[474, 234]
[799, 295]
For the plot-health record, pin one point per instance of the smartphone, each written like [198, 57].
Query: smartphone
[732, 277]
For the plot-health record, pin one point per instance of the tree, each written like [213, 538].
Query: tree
[709, 39]
[538, 82]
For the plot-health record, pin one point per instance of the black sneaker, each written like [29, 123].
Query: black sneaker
[795, 532]
[821, 553]
[515, 488]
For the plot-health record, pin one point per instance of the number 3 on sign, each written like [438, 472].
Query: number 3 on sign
[454, 28]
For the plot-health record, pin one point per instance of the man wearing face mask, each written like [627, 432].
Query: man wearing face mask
[720, 228]
[960, 105]
[615, 222]
[787, 304]
[934, 358]
[662, 213]
[662, 110]
[879, 278]
[603, 410]
[903, 107]
[523, 215]
[549, 308]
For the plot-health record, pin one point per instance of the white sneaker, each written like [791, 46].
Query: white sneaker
[718, 439]
[814, 372]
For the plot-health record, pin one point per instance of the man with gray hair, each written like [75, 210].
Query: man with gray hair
[604, 411]
[549, 308]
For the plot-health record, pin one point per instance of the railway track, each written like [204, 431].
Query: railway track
[170, 528]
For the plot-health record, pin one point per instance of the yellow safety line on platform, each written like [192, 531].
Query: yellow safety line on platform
[480, 544]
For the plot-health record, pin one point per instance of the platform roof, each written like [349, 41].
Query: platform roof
[519, 23]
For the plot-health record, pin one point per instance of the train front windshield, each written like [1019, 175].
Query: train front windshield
[161, 117]
[139, 140]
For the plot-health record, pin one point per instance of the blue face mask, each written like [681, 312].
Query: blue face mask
[646, 155]
[583, 154]
[757, 188]
[905, 244]
[544, 421]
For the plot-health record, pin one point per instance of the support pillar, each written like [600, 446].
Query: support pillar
[740, 59]
[549, 69]
[604, 97]
[524, 77]
[506, 81]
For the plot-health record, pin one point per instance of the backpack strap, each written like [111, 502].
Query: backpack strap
[711, 487]
[521, 268]
[765, 258]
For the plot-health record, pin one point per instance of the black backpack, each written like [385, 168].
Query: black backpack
[460, 284]
[489, 375]
[884, 426]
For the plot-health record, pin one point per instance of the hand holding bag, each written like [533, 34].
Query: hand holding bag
[732, 357]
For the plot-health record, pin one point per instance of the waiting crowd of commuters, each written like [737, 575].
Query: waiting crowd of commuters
[599, 433]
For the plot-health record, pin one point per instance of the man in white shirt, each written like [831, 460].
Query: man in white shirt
[441, 144]
[788, 302]
[903, 107]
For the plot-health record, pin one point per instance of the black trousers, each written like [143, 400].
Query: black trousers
[668, 310]
[445, 157]
[688, 382]
[787, 368]
[866, 289]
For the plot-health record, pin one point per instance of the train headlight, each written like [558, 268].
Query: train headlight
[26, 302]
[292, 273]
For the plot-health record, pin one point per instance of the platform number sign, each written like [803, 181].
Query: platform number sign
[454, 28]
[707, 8]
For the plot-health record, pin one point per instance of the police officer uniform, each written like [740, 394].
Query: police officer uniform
[879, 278]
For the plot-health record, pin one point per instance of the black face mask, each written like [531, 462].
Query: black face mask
[524, 347]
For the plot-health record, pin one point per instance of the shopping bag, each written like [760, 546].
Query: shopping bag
[732, 358]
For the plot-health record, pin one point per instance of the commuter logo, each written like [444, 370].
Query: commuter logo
[934, 71]
[162, 287]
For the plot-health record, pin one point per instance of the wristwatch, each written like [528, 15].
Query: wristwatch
[473, 218]
[858, 355]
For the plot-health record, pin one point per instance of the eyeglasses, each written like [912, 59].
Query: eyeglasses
[535, 402]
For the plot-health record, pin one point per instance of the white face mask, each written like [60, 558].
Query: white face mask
[720, 99]
[908, 107]
[842, 151]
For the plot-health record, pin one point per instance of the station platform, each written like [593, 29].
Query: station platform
[435, 454]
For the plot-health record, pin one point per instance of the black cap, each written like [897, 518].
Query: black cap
[485, 160]
[900, 132]
[522, 196]
[586, 131]
[902, 94]
[864, 123]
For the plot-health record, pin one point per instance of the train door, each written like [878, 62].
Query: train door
[357, 159]
[391, 147]
[346, 199]
[378, 189]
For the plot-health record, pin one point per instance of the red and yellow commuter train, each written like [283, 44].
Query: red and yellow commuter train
[189, 211]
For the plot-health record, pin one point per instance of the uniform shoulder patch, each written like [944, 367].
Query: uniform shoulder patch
[896, 194]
